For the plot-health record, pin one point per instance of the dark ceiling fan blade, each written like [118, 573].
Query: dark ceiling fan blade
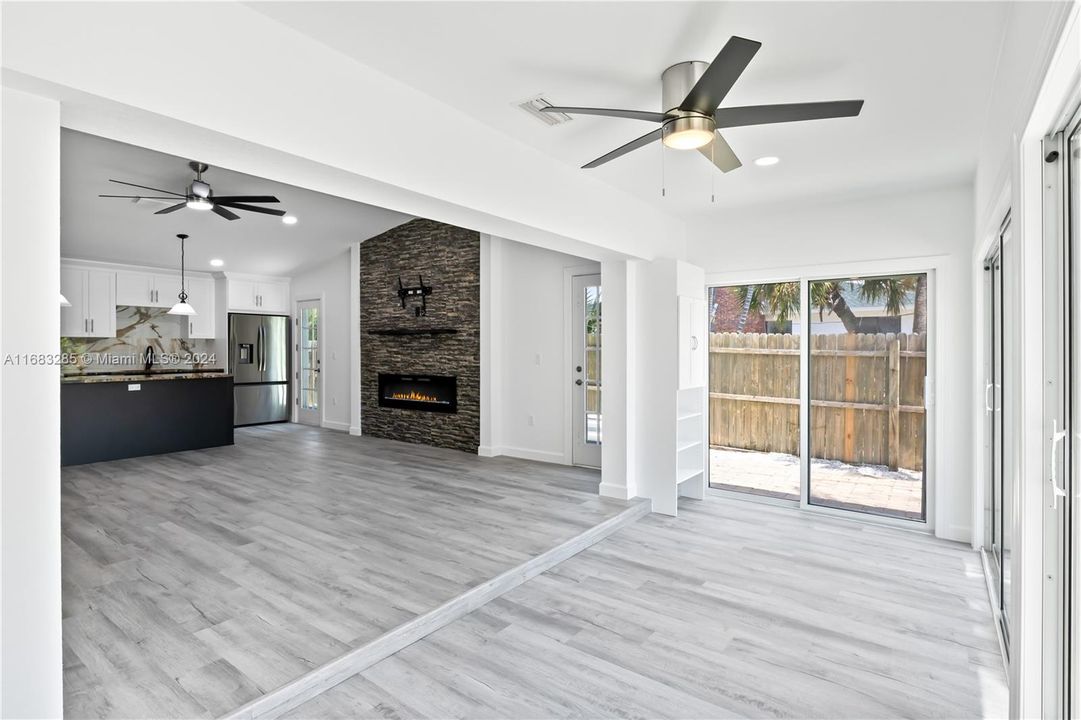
[721, 75]
[172, 208]
[140, 197]
[219, 210]
[794, 112]
[607, 112]
[250, 208]
[145, 187]
[624, 149]
[720, 153]
[245, 198]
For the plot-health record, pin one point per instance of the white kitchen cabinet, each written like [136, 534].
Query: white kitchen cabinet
[261, 295]
[241, 294]
[273, 296]
[146, 289]
[92, 294]
[201, 297]
[693, 342]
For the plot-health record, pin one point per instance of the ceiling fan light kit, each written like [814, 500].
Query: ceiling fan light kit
[689, 132]
[200, 196]
[691, 93]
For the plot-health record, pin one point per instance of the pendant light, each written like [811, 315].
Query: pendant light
[182, 307]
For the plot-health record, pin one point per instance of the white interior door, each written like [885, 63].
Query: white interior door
[586, 370]
[309, 363]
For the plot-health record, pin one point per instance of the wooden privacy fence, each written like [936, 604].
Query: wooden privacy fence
[866, 395]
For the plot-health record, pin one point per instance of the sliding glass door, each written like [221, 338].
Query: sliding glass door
[998, 494]
[858, 349]
[754, 390]
[868, 370]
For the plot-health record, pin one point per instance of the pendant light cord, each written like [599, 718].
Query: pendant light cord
[183, 283]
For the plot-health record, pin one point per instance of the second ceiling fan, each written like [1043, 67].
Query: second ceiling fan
[692, 92]
[199, 196]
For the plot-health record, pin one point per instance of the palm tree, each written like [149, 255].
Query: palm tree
[782, 299]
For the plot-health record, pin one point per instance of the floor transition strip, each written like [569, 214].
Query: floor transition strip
[294, 693]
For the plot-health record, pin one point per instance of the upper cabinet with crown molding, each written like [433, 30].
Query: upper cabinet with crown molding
[91, 293]
[146, 289]
[249, 293]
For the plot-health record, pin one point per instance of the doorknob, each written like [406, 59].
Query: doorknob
[578, 381]
[578, 369]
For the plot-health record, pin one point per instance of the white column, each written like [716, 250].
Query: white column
[354, 339]
[491, 345]
[618, 396]
[31, 669]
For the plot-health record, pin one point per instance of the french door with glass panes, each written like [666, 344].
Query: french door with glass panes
[309, 363]
[585, 374]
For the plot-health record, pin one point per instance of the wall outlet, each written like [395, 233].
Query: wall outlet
[537, 359]
[334, 400]
[529, 420]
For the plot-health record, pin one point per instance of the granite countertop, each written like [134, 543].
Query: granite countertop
[144, 376]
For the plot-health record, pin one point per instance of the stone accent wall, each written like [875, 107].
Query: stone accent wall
[448, 258]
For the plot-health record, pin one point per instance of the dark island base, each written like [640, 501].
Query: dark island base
[107, 421]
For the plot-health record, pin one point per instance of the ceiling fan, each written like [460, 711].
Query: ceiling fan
[692, 91]
[199, 196]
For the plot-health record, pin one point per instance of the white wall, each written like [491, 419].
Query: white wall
[1029, 39]
[31, 658]
[329, 283]
[528, 377]
[896, 232]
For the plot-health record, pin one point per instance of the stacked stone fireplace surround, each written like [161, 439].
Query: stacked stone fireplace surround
[448, 260]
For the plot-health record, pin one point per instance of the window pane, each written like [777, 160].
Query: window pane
[754, 371]
[867, 369]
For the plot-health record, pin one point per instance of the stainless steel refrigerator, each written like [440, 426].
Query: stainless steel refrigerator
[259, 362]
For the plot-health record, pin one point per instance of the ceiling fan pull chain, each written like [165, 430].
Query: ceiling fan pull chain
[663, 183]
[712, 174]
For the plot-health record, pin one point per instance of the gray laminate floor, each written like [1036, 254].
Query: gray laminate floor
[196, 581]
[734, 609]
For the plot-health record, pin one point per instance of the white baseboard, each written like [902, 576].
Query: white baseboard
[957, 533]
[487, 451]
[611, 490]
[524, 454]
[334, 425]
[354, 430]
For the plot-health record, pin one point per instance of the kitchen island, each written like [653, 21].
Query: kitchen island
[109, 416]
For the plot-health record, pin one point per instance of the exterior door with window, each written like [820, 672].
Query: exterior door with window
[586, 370]
[309, 363]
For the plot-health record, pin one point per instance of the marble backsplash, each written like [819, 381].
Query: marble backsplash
[136, 328]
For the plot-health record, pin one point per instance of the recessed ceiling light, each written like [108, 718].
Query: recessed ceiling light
[217, 262]
[767, 161]
[289, 219]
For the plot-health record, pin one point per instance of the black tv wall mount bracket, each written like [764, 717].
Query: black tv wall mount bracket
[422, 291]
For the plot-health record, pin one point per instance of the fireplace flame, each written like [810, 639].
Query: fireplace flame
[414, 396]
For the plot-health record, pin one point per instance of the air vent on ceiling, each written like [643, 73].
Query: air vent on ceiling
[533, 107]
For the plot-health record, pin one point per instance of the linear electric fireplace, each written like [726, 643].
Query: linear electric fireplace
[432, 393]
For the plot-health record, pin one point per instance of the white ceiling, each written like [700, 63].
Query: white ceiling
[122, 231]
[925, 69]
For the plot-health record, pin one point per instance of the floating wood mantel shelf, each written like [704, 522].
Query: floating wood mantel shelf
[415, 331]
